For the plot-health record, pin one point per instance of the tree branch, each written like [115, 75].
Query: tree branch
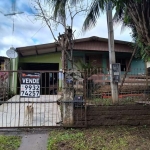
[39, 4]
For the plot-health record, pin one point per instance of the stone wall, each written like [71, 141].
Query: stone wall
[112, 115]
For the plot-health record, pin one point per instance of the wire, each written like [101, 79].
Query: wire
[38, 31]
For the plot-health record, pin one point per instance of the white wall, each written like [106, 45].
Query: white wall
[148, 64]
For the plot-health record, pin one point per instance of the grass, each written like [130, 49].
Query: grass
[9, 142]
[108, 101]
[105, 102]
[102, 138]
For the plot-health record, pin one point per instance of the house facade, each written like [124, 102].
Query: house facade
[90, 50]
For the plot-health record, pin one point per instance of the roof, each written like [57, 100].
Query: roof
[3, 58]
[100, 39]
[85, 44]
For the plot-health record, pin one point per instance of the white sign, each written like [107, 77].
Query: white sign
[116, 73]
[30, 85]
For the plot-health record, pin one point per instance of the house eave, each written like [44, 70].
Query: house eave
[79, 44]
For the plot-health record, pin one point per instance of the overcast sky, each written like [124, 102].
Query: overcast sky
[28, 31]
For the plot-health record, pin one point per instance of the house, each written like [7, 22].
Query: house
[92, 49]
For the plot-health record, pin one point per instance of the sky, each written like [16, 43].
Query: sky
[30, 31]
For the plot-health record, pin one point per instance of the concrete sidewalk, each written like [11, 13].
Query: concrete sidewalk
[34, 142]
[34, 139]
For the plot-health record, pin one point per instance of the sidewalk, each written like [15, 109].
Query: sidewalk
[34, 142]
[31, 139]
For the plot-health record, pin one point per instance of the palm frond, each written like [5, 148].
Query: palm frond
[58, 8]
[97, 7]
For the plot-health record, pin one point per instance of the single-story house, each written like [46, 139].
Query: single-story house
[91, 49]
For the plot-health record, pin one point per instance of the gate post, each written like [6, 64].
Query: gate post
[68, 107]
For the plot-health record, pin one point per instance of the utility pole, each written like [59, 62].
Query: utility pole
[112, 58]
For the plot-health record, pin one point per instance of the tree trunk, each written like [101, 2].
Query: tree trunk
[127, 70]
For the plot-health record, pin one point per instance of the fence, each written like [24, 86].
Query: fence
[29, 104]
[135, 85]
[91, 88]
[99, 107]
[36, 102]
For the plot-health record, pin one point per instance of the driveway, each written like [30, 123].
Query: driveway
[46, 113]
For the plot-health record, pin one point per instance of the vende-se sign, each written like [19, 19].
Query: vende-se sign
[30, 85]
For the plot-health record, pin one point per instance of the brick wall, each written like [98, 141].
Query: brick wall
[113, 115]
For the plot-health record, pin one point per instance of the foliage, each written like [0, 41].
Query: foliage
[108, 101]
[80, 68]
[135, 15]
[101, 138]
[103, 102]
[88, 68]
[9, 142]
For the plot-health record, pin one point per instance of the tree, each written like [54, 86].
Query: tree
[44, 11]
[135, 15]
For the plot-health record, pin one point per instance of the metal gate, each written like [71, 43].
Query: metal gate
[19, 110]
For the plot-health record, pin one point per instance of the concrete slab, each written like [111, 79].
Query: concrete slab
[34, 142]
[45, 114]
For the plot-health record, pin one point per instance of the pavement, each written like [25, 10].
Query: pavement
[46, 113]
[34, 142]
[31, 139]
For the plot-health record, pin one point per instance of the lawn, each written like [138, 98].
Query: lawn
[9, 142]
[101, 138]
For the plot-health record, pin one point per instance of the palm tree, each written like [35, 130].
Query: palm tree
[135, 15]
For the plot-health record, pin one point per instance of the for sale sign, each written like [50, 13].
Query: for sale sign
[30, 85]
